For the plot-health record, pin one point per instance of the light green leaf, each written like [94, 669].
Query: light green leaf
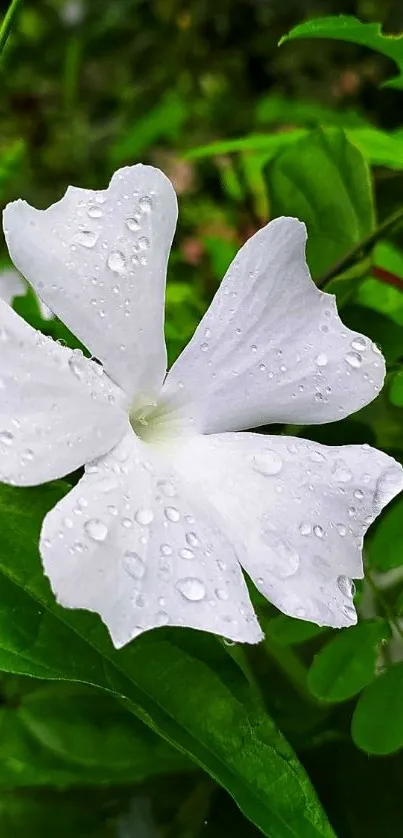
[324, 181]
[349, 28]
[379, 295]
[346, 664]
[395, 389]
[183, 684]
[377, 725]
[385, 542]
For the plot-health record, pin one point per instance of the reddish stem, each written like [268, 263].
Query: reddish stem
[387, 277]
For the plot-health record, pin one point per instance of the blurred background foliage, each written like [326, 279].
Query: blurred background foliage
[201, 89]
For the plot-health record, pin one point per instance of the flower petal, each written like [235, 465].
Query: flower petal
[272, 347]
[131, 545]
[296, 512]
[57, 409]
[98, 260]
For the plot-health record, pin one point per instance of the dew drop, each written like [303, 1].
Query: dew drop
[204, 347]
[359, 343]
[321, 360]
[87, 238]
[145, 203]
[186, 553]
[94, 211]
[318, 531]
[286, 561]
[96, 529]
[172, 514]
[340, 473]
[191, 588]
[341, 529]
[268, 462]
[77, 362]
[192, 539]
[6, 437]
[127, 523]
[221, 593]
[166, 549]
[27, 456]
[116, 261]
[144, 516]
[132, 224]
[346, 586]
[317, 457]
[359, 494]
[305, 529]
[134, 565]
[162, 618]
[167, 488]
[354, 360]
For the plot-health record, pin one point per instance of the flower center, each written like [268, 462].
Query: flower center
[154, 421]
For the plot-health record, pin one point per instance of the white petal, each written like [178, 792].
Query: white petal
[11, 285]
[131, 545]
[57, 409]
[98, 260]
[296, 512]
[271, 347]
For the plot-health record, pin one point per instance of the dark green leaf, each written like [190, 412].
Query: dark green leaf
[290, 632]
[346, 664]
[377, 725]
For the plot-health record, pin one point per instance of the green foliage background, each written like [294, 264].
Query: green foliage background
[180, 735]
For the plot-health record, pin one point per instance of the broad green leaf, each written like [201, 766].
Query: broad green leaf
[182, 684]
[349, 28]
[346, 664]
[377, 725]
[94, 735]
[385, 542]
[380, 148]
[324, 181]
[40, 814]
[287, 631]
[165, 121]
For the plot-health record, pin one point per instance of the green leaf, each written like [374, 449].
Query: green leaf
[300, 181]
[377, 725]
[379, 295]
[395, 390]
[93, 735]
[380, 148]
[183, 684]
[287, 631]
[349, 28]
[385, 542]
[346, 664]
[164, 121]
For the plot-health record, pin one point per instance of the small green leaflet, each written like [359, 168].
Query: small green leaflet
[377, 726]
[349, 28]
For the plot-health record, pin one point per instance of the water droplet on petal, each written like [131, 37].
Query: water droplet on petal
[353, 359]
[127, 523]
[96, 529]
[318, 531]
[77, 363]
[221, 593]
[359, 494]
[144, 516]
[143, 243]
[6, 437]
[166, 549]
[172, 514]
[132, 224]
[87, 238]
[94, 211]
[167, 488]
[186, 553]
[321, 360]
[341, 529]
[305, 529]
[286, 560]
[346, 586]
[359, 343]
[267, 462]
[134, 564]
[192, 539]
[191, 588]
[162, 618]
[116, 261]
[204, 347]
[340, 473]
[145, 203]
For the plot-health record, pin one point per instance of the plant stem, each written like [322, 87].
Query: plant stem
[359, 250]
[8, 21]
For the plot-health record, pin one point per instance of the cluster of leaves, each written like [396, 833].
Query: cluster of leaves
[157, 730]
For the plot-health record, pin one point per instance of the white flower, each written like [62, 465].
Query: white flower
[173, 502]
[12, 285]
